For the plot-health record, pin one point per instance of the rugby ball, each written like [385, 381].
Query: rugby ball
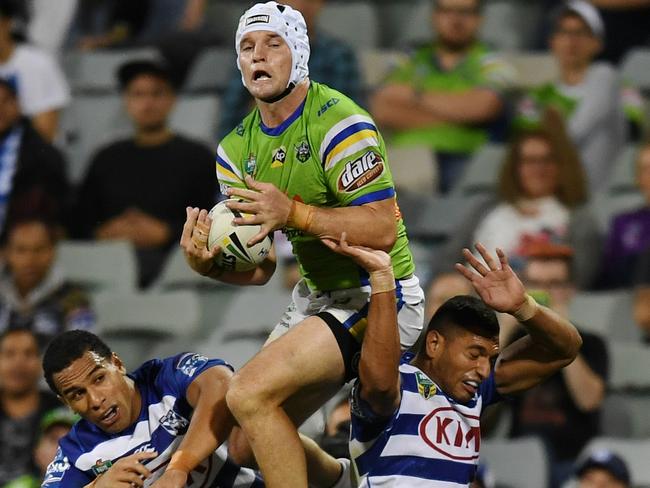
[235, 254]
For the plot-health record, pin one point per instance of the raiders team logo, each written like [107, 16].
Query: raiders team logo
[426, 387]
[303, 153]
[279, 157]
[361, 171]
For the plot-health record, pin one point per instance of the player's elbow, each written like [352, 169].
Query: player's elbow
[486, 108]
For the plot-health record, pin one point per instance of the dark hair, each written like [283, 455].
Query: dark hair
[479, 4]
[66, 348]
[132, 69]
[465, 312]
[8, 9]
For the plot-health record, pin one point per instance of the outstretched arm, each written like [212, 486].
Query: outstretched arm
[552, 342]
[210, 426]
[380, 353]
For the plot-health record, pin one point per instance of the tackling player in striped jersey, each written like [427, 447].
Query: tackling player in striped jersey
[160, 426]
[311, 162]
[416, 418]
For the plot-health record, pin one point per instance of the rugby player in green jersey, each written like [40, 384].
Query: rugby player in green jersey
[308, 161]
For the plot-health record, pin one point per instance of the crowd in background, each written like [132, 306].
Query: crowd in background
[453, 95]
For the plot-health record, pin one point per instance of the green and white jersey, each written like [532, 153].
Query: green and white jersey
[328, 153]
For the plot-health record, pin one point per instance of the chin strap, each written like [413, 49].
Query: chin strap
[279, 97]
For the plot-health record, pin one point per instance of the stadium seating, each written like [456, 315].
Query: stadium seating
[635, 68]
[630, 364]
[197, 117]
[176, 274]
[353, 22]
[634, 452]
[163, 314]
[95, 71]
[413, 168]
[517, 462]
[625, 415]
[623, 175]
[482, 172]
[596, 312]
[99, 266]
[604, 206]
[532, 68]
[511, 25]
[376, 64]
[211, 70]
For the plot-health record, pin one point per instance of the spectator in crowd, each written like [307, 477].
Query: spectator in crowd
[642, 311]
[34, 294]
[603, 469]
[565, 410]
[541, 189]
[588, 94]
[22, 405]
[138, 188]
[31, 169]
[330, 61]
[628, 239]
[445, 286]
[40, 84]
[55, 424]
[48, 23]
[449, 94]
[145, 21]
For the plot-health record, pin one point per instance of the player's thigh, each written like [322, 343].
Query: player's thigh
[305, 359]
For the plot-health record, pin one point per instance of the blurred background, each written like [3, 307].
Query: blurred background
[522, 124]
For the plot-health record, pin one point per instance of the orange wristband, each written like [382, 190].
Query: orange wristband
[183, 461]
[300, 216]
[382, 281]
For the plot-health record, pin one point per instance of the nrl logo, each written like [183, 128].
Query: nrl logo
[426, 387]
[303, 153]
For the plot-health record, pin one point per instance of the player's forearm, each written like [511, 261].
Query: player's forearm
[468, 107]
[211, 422]
[586, 388]
[256, 277]
[373, 225]
[381, 350]
[401, 115]
[555, 335]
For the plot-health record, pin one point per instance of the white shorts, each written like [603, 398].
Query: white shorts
[350, 309]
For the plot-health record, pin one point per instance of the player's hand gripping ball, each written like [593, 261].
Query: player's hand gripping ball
[235, 254]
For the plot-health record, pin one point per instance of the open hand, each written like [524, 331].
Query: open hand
[194, 241]
[497, 285]
[268, 206]
[369, 259]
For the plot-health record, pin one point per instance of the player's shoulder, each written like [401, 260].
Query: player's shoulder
[333, 115]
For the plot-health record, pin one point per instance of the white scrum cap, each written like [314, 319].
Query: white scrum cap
[285, 21]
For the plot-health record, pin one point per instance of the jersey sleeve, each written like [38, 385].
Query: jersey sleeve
[353, 157]
[178, 372]
[488, 392]
[229, 173]
[496, 73]
[61, 473]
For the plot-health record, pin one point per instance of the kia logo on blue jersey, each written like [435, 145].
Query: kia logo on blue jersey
[453, 434]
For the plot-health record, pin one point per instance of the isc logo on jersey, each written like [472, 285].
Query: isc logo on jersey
[361, 171]
[453, 434]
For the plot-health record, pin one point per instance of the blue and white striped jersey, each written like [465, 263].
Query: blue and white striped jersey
[430, 440]
[87, 451]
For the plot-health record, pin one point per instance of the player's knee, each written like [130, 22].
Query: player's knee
[243, 398]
